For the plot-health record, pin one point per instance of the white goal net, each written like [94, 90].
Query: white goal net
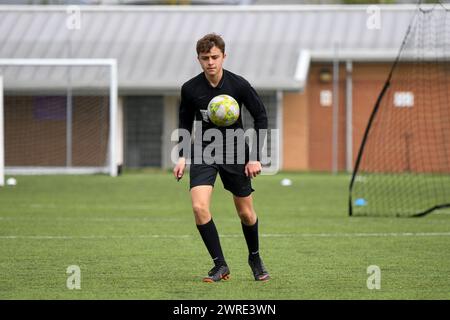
[58, 116]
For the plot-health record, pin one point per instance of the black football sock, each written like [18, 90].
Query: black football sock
[210, 237]
[251, 237]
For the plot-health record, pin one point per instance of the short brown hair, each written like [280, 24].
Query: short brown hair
[210, 40]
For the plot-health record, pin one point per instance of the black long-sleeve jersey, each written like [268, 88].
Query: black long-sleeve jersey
[198, 92]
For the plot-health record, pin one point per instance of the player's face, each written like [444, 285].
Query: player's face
[212, 61]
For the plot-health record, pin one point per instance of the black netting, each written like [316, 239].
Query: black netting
[403, 166]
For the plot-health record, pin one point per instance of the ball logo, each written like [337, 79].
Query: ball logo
[223, 110]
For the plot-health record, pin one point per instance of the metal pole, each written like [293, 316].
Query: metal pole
[349, 116]
[335, 125]
[69, 113]
[113, 119]
[69, 109]
[279, 147]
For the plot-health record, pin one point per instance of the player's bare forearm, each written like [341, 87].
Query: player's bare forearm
[178, 171]
[253, 168]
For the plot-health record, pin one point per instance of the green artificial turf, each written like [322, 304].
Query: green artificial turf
[134, 237]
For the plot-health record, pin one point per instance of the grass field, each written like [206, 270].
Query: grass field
[420, 192]
[134, 237]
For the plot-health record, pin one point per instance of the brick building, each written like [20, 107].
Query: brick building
[319, 70]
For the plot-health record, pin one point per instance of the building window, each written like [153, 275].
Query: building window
[326, 98]
[403, 99]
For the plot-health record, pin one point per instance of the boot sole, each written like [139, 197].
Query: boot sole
[224, 277]
[263, 278]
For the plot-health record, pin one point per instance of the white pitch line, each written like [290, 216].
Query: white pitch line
[81, 206]
[264, 235]
[84, 219]
[382, 234]
[94, 237]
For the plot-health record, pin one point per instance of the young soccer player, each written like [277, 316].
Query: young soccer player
[195, 96]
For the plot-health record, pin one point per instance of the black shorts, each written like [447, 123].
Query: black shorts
[232, 175]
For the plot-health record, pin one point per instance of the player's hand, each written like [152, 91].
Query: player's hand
[178, 171]
[253, 168]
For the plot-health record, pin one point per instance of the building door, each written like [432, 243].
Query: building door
[270, 102]
[143, 131]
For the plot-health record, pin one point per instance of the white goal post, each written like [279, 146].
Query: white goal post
[2, 148]
[47, 66]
